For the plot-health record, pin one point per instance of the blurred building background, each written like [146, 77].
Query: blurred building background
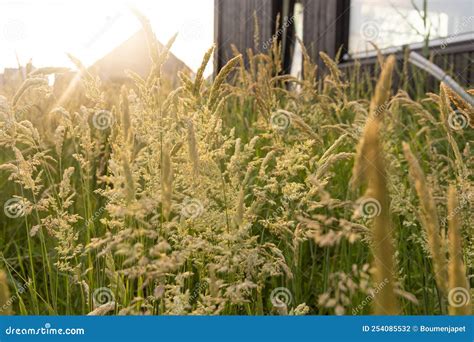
[441, 30]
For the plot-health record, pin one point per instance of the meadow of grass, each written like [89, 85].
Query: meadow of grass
[255, 193]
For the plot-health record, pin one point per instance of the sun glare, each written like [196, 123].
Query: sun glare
[45, 31]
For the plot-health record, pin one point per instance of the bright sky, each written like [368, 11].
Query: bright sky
[45, 30]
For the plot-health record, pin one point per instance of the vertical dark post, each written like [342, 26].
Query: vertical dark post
[234, 24]
[287, 25]
[342, 24]
[326, 27]
[217, 35]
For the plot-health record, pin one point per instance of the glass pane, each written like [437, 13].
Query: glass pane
[399, 22]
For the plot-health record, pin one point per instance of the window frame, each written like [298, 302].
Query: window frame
[435, 43]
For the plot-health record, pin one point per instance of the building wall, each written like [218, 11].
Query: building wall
[235, 24]
[326, 27]
[133, 54]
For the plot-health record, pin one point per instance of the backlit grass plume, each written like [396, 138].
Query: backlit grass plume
[370, 168]
[229, 196]
[385, 302]
[378, 106]
[220, 79]
[379, 102]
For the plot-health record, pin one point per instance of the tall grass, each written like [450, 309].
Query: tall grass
[370, 166]
[231, 196]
